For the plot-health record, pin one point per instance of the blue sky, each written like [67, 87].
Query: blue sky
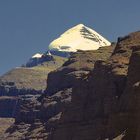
[28, 26]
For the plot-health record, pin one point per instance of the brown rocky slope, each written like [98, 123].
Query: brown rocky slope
[42, 115]
[102, 104]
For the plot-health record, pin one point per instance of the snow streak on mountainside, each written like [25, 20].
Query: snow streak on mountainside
[37, 55]
[79, 37]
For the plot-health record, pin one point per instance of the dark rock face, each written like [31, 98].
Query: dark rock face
[6, 90]
[93, 96]
[8, 106]
[36, 119]
[27, 109]
[98, 110]
[131, 98]
[47, 110]
[78, 66]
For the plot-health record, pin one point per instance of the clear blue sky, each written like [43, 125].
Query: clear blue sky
[28, 26]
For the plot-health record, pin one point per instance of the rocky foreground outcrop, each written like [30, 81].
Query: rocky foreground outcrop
[94, 97]
[106, 105]
[37, 118]
[131, 98]
[78, 66]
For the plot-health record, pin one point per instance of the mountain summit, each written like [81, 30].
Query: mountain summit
[79, 37]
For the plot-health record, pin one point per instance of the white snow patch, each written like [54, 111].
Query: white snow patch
[37, 55]
[79, 37]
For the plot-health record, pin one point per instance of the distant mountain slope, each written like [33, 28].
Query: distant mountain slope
[31, 80]
[79, 37]
[39, 59]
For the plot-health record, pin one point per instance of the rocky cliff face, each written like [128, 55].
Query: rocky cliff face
[93, 96]
[7, 106]
[105, 102]
[46, 111]
[77, 67]
[131, 98]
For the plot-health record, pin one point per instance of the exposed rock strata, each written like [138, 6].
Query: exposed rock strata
[25, 81]
[97, 111]
[22, 80]
[105, 98]
[47, 110]
[78, 66]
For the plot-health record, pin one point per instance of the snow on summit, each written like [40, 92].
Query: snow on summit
[37, 55]
[79, 37]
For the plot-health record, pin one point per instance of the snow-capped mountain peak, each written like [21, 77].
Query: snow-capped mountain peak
[80, 37]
